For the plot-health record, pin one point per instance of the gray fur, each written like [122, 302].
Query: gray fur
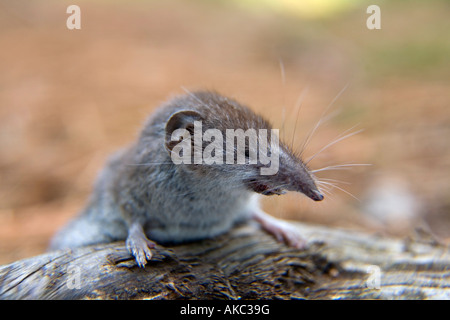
[172, 203]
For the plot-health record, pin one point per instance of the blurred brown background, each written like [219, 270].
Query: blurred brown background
[68, 98]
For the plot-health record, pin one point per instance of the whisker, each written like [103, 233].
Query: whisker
[283, 82]
[324, 187]
[333, 143]
[283, 73]
[327, 192]
[337, 187]
[149, 163]
[341, 167]
[334, 180]
[298, 105]
[321, 119]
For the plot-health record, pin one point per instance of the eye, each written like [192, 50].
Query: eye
[259, 187]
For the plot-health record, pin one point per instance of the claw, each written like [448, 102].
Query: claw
[139, 245]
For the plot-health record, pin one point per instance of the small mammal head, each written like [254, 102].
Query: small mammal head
[210, 135]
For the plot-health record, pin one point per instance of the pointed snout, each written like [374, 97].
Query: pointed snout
[294, 175]
[306, 186]
[316, 195]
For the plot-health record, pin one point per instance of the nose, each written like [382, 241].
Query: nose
[316, 195]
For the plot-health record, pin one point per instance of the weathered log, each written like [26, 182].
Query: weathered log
[246, 263]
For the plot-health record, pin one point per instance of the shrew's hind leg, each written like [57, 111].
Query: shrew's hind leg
[281, 230]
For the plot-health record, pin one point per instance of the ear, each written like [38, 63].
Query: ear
[180, 120]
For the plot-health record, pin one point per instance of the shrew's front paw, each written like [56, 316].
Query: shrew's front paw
[139, 246]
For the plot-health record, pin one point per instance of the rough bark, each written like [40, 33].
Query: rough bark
[246, 263]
